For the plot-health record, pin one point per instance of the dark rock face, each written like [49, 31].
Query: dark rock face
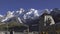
[56, 14]
[31, 21]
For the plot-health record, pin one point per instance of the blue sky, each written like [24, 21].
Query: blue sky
[13, 5]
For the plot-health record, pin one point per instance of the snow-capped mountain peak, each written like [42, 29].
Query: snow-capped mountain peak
[10, 14]
[46, 11]
[20, 11]
[32, 9]
[36, 13]
[31, 14]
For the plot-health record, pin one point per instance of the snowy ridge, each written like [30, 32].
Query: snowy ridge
[31, 14]
[21, 15]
